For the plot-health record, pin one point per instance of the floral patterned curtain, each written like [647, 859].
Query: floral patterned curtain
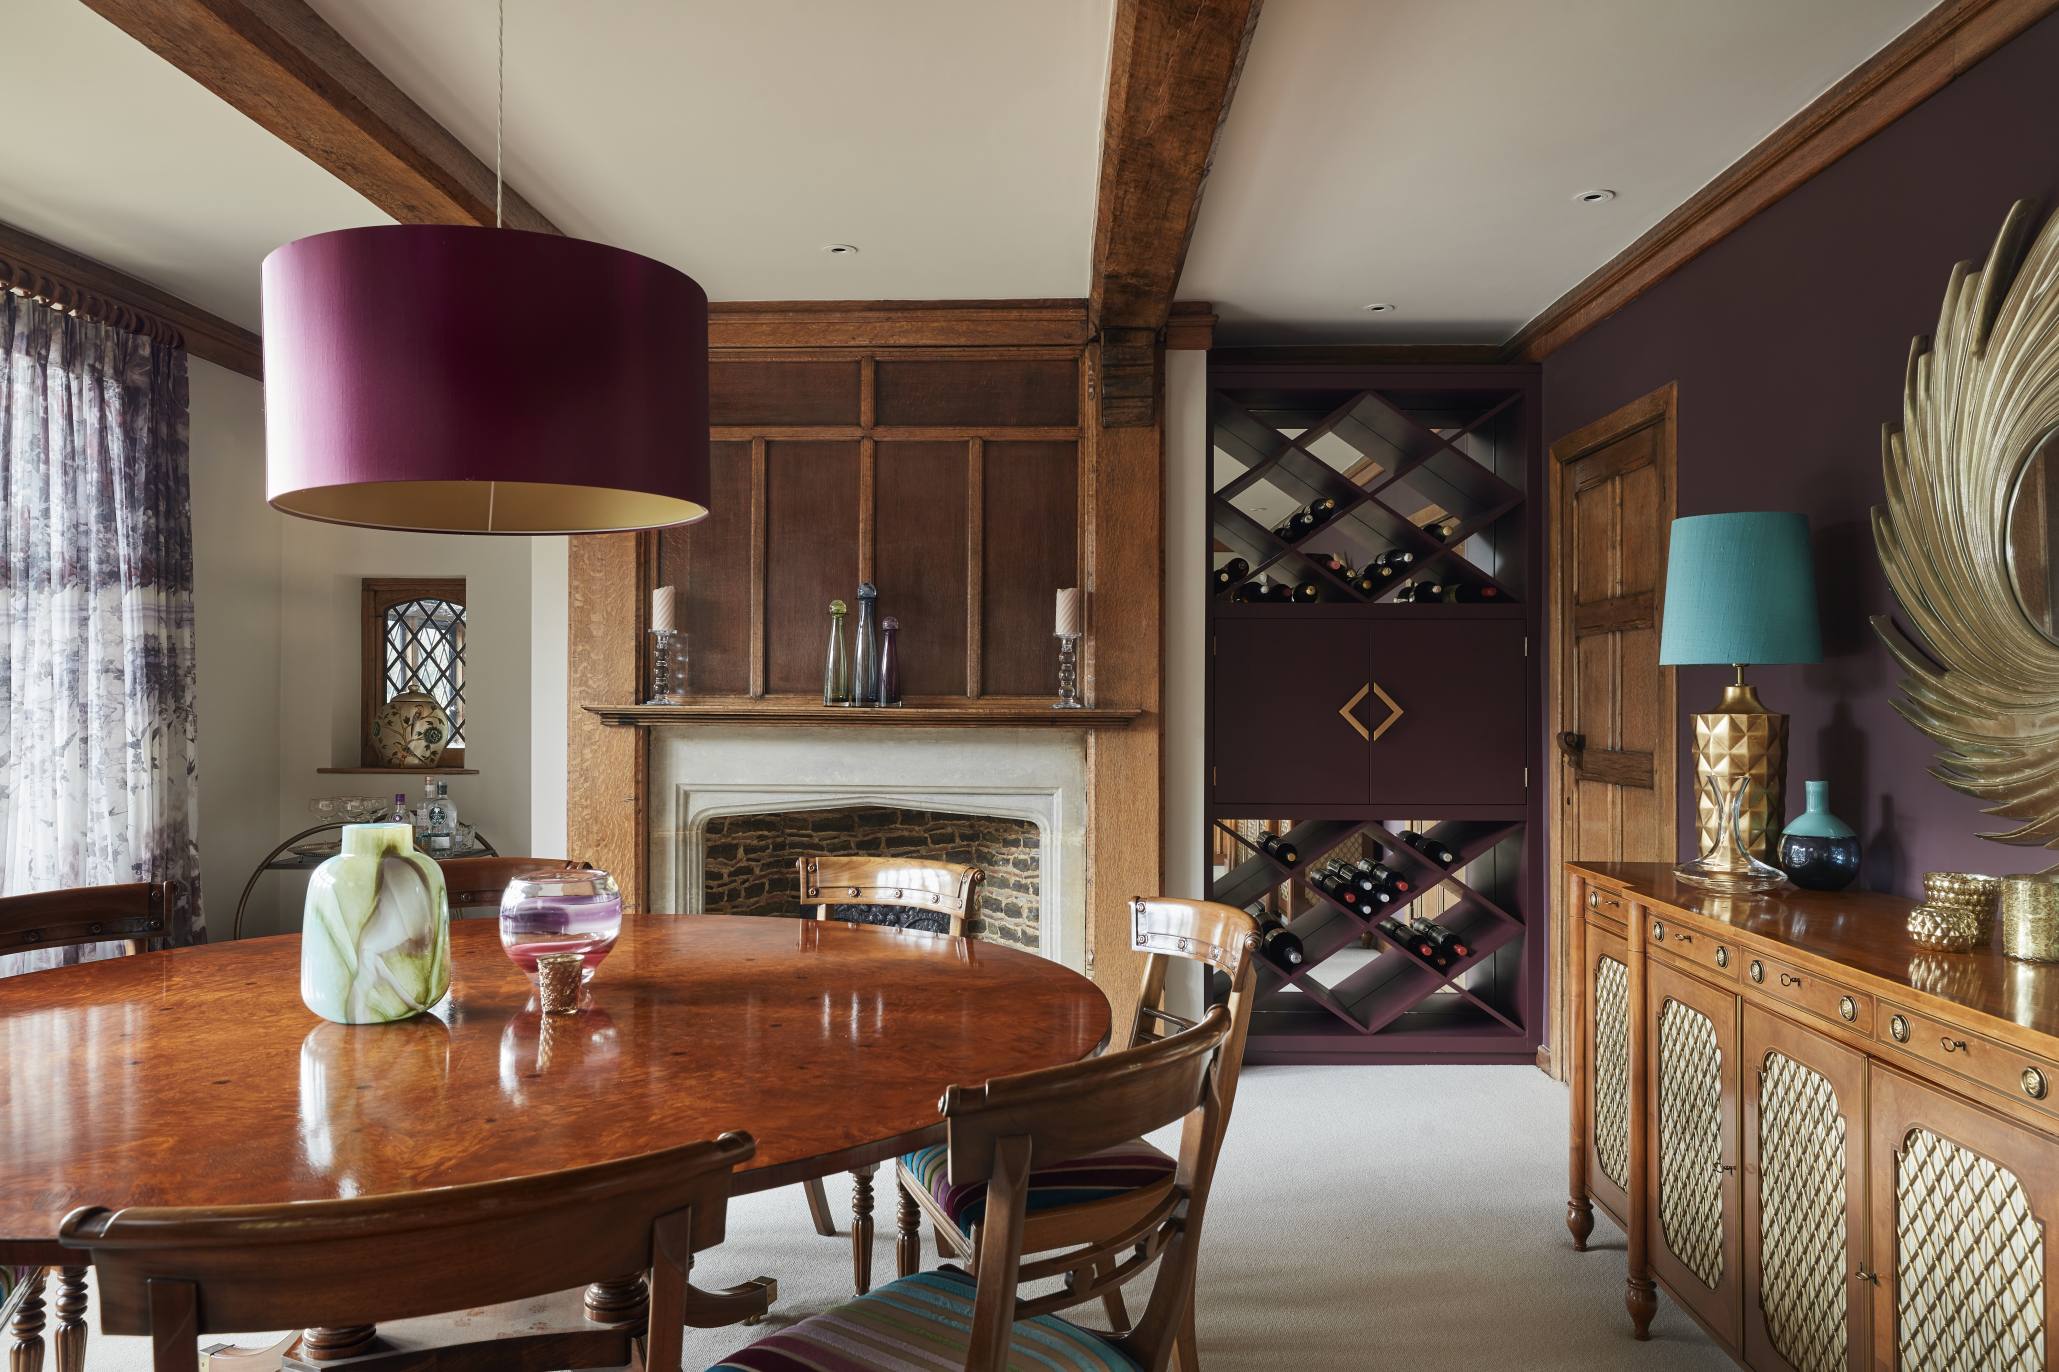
[96, 615]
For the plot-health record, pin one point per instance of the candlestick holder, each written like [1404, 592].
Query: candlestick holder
[668, 667]
[1068, 673]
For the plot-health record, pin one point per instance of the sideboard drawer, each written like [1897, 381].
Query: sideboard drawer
[1702, 951]
[2019, 1075]
[1606, 905]
[1819, 995]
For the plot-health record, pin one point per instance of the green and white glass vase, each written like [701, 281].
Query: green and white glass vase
[375, 937]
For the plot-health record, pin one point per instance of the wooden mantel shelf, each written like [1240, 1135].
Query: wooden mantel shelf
[1010, 712]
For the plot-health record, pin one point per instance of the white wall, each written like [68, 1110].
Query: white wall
[236, 549]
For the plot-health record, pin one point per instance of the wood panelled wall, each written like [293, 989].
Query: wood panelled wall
[947, 476]
[954, 453]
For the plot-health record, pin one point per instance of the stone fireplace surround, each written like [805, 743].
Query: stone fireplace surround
[698, 772]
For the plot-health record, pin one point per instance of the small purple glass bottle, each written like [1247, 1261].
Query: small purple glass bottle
[890, 661]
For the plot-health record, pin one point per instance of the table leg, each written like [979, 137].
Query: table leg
[339, 1341]
[620, 1300]
[26, 1353]
[908, 1241]
[861, 1227]
[70, 1341]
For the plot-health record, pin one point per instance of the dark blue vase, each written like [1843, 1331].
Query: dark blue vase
[1819, 851]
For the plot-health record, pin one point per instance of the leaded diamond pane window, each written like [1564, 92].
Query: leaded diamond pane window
[414, 639]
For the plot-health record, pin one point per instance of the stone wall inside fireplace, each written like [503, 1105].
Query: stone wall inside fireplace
[749, 859]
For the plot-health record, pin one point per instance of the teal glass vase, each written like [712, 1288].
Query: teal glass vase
[1819, 851]
[375, 936]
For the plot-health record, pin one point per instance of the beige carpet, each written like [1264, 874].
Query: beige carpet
[1365, 1219]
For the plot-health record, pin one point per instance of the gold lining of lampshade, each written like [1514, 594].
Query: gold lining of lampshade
[488, 507]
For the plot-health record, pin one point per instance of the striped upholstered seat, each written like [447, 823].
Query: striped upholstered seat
[920, 1324]
[1097, 1176]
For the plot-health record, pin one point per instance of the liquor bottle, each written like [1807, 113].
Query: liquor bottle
[1307, 593]
[836, 667]
[1429, 847]
[1231, 573]
[400, 809]
[889, 661]
[865, 671]
[1476, 595]
[1384, 875]
[1278, 849]
[1281, 948]
[443, 828]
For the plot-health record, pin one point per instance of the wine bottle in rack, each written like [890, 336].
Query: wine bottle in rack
[1335, 565]
[1384, 875]
[1448, 941]
[1277, 848]
[1423, 593]
[1231, 573]
[1249, 593]
[1477, 595]
[1429, 847]
[1279, 946]
[1371, 580]
[1322, 507]
[1397, 558]
[1307, 593]
[1441, 529]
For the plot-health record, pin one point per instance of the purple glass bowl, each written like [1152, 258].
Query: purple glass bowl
[560, 911]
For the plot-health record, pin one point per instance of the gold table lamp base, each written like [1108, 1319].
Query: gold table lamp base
[1740, 763]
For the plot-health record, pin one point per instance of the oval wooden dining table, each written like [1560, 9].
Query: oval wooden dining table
[195, 1077]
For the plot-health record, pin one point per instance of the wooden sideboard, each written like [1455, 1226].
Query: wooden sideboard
[1835, 1150]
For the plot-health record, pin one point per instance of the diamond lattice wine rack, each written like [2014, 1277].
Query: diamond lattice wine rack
[1374, 704]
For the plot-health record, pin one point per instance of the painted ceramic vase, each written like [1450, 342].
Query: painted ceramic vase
[410, 730]
[375, 939]
[1819, 851]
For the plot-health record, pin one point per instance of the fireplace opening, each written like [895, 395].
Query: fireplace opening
[749, 859]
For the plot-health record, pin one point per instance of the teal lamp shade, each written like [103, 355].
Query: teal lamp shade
[1740, 589]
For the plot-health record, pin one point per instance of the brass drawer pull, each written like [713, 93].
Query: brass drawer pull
[1758, 970]
[1722, 956]
[1899, 1027]
[1726, 1168]
[1847, 1008]
[1786, 980]
[1866, 1276]
[2033, 1083]
[1953, 1045]
[1683, 938]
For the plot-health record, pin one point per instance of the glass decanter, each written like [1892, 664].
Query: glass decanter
[836, 669]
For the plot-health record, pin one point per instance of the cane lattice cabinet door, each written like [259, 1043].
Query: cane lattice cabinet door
[1963, 1203]
[1696, 1198]
[1807, 1301]
[1608, 1048]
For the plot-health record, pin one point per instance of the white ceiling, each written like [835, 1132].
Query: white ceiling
[1424, 153]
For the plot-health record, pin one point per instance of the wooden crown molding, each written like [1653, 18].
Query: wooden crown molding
[1908, 71]
[37, 267]
[754, 324]
[279, 63]
[1172, 70]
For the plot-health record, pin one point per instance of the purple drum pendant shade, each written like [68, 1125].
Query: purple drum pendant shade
[491, 381]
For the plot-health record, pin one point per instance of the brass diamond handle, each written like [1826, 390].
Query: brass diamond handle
[1847, 1008]
[2033, 1083]
[1899, 1027]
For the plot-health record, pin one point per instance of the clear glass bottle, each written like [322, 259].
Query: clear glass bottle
[889, 661]
[443, 821]
[400, 808]
[836, 669]
[865, 676]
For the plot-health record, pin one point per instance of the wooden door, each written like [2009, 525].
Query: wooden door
[1964, 1203]
[1806, 1309]
[1695, 1203]
[1610, 707]
[1445, 708]
[1301, 749]
[1608, 1056]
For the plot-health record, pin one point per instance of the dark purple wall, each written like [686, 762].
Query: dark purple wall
[1788, 341]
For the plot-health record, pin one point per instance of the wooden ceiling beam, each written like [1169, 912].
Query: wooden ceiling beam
[279, 62]
[37, 267]
[1172, 69]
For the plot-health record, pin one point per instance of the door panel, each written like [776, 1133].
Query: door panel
[1964, 1200]
[1300, 749]
[1696, 1202]
[1804, 1200]
[1447, 702]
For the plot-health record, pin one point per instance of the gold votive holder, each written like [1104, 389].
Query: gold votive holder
[1948, 930]
[2030, 918]
[558, 976]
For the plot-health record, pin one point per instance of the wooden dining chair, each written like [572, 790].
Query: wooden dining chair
[903, 893]
[523, 1246]
[476, 884]
[131, 914]
[997, 1136]
[1073, 1198]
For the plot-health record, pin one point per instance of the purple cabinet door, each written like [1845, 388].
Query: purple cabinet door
[1448, 706]
[1280, 737]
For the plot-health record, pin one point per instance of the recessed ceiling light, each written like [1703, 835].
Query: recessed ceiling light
[1378, 307]
[1598, 196]
[840, 249]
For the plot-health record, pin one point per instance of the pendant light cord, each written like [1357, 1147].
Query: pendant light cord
[500, 101]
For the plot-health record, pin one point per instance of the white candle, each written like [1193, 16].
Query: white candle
[1068, 613]
[664, 608]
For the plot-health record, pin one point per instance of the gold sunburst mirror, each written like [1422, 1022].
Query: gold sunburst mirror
[1966, 534]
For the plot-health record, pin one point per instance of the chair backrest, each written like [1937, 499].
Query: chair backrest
[132, 914]
[877, 890]
[1221, 938]
[1000, 1132]
[473, 882]
[179, 1273]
